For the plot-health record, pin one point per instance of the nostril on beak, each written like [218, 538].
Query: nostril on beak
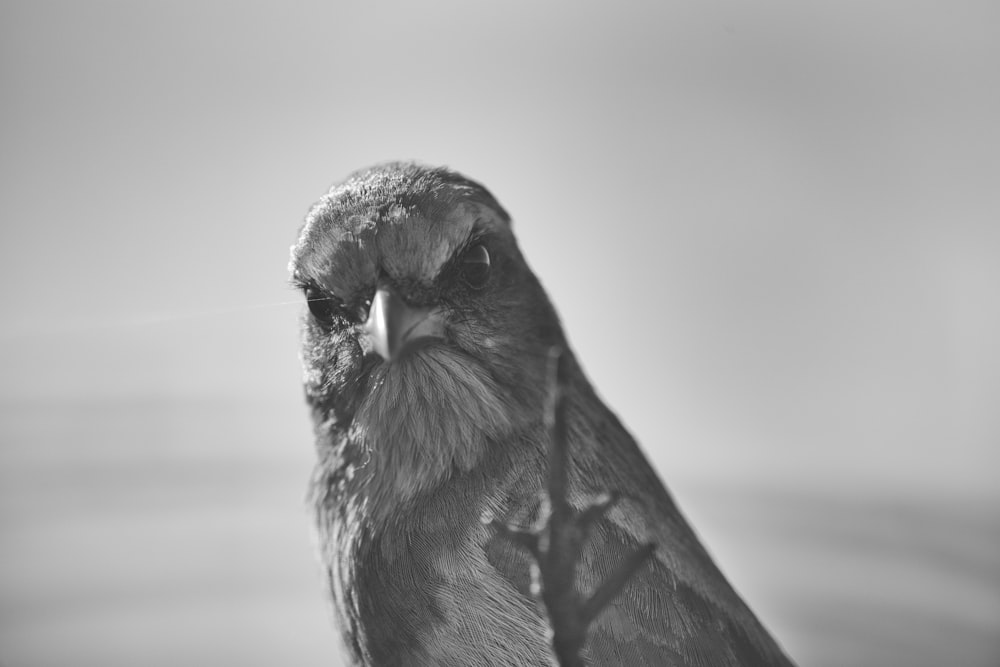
[393, 325]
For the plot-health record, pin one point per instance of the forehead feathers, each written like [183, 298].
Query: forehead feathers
[402, 219]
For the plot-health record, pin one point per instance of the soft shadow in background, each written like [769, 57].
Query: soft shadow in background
[771, 231]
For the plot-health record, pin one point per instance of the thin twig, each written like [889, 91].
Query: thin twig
[557, 544]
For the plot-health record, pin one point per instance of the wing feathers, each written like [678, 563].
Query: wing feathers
[657, 619]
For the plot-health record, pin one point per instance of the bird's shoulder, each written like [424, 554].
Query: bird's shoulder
[659, 618]
[678, 609]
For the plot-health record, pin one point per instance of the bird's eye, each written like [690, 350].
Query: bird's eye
[475, 266]
[320, 305]
[363, 309]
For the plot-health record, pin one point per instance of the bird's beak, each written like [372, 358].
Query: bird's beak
[394, 327]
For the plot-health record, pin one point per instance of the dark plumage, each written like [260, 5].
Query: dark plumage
[425, 357]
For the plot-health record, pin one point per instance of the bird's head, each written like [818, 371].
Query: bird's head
[426, 333]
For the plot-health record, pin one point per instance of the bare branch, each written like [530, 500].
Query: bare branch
[557, 543]
[614, 584]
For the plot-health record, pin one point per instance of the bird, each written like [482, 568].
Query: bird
[424, 349]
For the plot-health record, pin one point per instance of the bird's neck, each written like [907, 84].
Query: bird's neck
[420, 423]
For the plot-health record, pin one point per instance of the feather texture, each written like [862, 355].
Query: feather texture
[417, 455]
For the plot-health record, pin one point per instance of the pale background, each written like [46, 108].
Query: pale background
[771, 229]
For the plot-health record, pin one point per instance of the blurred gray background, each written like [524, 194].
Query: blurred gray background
[771, 229]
